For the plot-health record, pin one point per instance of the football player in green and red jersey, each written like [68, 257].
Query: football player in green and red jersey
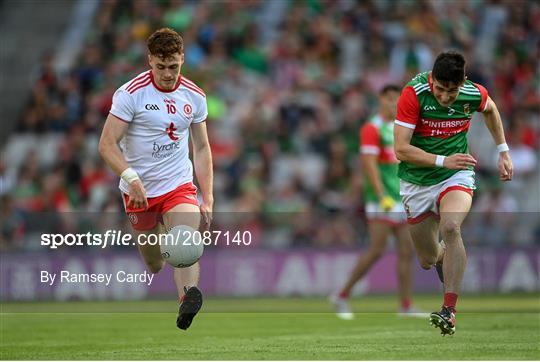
[436, 170]
[384, 210]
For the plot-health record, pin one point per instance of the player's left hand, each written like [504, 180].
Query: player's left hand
[206, 213]
[387, 203]
[506, 168]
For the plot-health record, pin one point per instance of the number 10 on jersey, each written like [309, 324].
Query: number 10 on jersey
[171, 109]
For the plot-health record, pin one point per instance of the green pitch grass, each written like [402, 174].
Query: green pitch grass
[489, 327]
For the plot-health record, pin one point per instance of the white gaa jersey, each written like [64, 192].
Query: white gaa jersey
[156, 142]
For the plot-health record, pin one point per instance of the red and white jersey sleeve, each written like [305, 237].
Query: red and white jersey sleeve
[201, 107]
[122, 105]
[369, 140]
[156, 143]
[484, 94]
[408, 109]
[203, 113]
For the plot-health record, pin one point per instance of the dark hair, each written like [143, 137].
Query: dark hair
[164, 43]
[389, 88]
[449, 67]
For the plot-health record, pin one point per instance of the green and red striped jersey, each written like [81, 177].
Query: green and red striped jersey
[377, 138]
[437, 129]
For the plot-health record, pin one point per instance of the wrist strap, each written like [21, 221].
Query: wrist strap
[129, 175]
[439, 161]
[503, 147]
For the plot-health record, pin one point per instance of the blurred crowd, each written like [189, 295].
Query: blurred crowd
[288, 84]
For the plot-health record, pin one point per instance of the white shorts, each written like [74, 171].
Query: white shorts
[396, 216]
[423, 201]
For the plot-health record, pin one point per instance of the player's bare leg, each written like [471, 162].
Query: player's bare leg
[151, 254]
[378, 232]
[404, 265]
[186, 279]
[425, 236]
[184, 214]
[453, 209]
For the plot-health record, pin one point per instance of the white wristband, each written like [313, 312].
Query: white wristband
[129, 175]
[503, 147]
[439, 161]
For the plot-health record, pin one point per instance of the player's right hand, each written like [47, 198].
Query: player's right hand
[459, 161]
[137, 195]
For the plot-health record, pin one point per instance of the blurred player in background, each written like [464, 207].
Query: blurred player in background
[384, 210]
[150, 119]
[436, 172]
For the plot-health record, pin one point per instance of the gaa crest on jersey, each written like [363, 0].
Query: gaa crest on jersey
[187, 109]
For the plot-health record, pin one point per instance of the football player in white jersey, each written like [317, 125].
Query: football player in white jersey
[145, 142]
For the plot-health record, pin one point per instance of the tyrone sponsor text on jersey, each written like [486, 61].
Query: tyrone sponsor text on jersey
[166, 150]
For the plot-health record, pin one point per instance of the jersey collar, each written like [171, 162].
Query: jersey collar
[165, 90]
